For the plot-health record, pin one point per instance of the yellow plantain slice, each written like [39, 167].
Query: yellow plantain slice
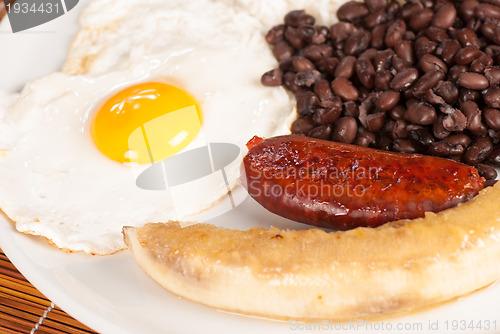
[313, 274]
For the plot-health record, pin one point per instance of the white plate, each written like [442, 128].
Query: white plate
[112, 295]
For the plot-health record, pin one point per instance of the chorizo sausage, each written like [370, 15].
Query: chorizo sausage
[343, 186]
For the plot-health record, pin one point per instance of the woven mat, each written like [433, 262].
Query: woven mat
[23, 309]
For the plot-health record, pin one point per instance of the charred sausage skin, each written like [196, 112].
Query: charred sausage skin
[343, 186]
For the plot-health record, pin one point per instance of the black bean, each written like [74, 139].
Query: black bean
[459, 139]
[468, 37]
[404, 79]
[478, 151]
[302, 125]
[306, 103]
[383, 80]
[420, 113]
[467, 54]
[387, 100]
[474, 24]
[333, 109]
[275, 34]
[486, 171]
[492, 97]
[321, 35]
[369, 54]
[344, 88]
[409, 36]
[421, 19]
[323, 90]
[481, 64]
[455, 72]
[495, 136]
[421, 78]
[306, 33]
[272, 78]
[325, 116]
[345, 68]
[492, 118]
[448, 49]
[376, 4]
[496, 38]
[378, 36]
[307, 78]
[428, 81]
[344, 130]
[384, 141]
[392, 9]
[455, 121]
[397, 112]
[443, 148]
[375, 122]
[428, 63]
[375, 18]
[399, 129]
[383, 60]
[302, 64]
[286, 65]
[494, 157]
[447, 109]
[493, 75]
[364, 138]
[468, 95]
[493, 2]
[405, 51]
[282, 50]
[357, 42]
[438, 128]
[365, 72]
[352, 11]
[321, 132]
[474, 120]
[340, 31]
[488, 29]
[421, 135]
[424, 46]
[316, 52]
[395, 33]
[447, 90]
[487, 11]
[363, 92]
[406, 146]
[289, 81]
[327, 65]
[297, 18]
[294, 38]
[432, 98]
[490, 183]
[445, 17]
[351, 109]
[436, 34]
[473, 80]
[466, 9]
[409, 9]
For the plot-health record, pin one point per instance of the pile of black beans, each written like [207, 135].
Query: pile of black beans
[422, 77]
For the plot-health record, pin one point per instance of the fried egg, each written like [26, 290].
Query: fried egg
[144, 80]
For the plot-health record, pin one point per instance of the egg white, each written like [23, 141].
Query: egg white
[55, 183]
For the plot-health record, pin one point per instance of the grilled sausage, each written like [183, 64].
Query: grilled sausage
[342, 186]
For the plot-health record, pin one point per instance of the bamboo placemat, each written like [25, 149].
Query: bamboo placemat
[23, 309]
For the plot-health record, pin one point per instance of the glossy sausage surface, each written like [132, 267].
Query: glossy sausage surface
[343, 186]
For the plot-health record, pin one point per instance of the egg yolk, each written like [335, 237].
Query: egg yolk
[145, 123]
